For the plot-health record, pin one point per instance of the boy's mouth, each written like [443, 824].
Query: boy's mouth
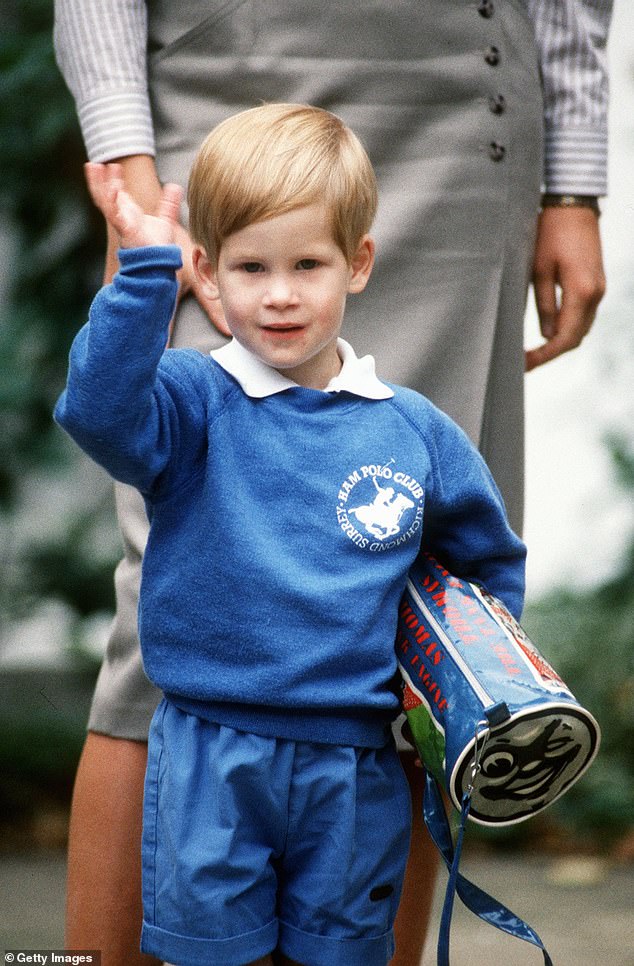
[281, 328]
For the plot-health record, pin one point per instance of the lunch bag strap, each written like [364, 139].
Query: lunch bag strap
[474, 898]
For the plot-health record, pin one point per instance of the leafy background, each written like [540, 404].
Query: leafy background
[59, 541]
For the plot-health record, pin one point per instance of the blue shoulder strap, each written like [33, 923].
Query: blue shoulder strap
[479, 902]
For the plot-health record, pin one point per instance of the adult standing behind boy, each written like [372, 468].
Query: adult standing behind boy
[276, 817]
[447, 98]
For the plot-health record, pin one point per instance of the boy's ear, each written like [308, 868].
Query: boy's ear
[361, 265]
[205, 272]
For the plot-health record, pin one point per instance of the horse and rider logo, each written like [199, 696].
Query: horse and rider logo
[380, 507]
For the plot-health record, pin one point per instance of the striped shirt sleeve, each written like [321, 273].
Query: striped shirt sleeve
[101, 50]
[571, 37]
[100, 46]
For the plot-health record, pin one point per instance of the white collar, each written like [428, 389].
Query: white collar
[258, 380]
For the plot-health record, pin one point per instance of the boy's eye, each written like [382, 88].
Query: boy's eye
[252, 267]
[305, 264]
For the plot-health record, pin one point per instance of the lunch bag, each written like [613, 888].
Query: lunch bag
[494, 725]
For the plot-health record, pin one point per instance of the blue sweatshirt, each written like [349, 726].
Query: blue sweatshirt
[282, 527]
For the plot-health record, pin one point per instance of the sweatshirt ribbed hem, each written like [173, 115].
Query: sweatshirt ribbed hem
[320, 726]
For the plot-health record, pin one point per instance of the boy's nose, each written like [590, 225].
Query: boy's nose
[280, 292]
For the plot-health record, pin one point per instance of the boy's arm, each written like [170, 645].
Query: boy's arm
[123, 406]
[466, 525]
[114, 406]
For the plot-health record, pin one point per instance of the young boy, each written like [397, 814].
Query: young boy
[289, 491]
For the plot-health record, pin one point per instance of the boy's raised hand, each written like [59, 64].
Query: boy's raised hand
[133, 227]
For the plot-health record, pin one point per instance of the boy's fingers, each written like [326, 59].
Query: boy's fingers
[169, 205]
[125, 211]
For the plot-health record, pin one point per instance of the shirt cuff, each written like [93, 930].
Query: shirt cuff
[576, 160]
[117, 124]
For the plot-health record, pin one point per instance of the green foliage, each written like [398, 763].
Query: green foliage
[589, 638]
[42, 730]
[54, 239]
[54, 243]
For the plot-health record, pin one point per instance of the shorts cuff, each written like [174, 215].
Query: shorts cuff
[188, 951]
[313, 950]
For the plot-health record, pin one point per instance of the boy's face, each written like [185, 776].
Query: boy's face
[283, 284]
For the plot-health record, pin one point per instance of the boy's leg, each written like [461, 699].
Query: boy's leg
[104, 856]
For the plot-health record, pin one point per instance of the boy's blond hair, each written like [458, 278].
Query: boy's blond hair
[273, 159]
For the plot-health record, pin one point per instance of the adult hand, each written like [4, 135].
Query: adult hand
[568, 280]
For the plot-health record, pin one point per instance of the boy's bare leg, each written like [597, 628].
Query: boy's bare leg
[412, 920]
[103, 899]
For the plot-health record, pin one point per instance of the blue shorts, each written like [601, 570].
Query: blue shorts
[252, 844]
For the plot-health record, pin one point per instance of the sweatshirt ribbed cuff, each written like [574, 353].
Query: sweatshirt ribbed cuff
[149, 258]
